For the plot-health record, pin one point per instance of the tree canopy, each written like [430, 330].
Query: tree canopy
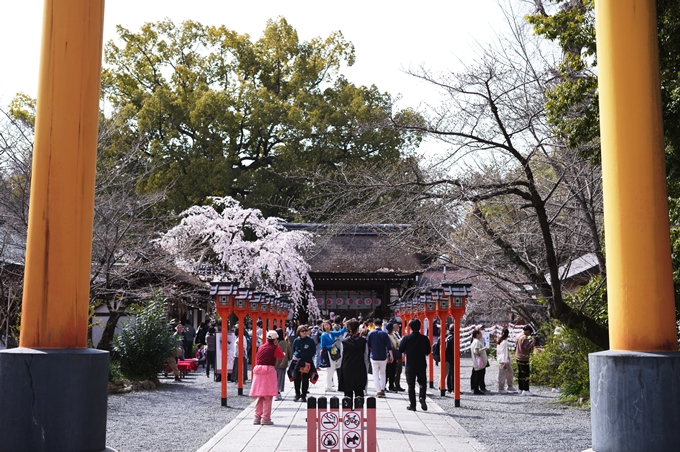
[226, 115]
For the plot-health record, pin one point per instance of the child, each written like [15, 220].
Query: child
[200, 355]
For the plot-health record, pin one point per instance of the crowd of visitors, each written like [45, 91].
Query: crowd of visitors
[349, 349]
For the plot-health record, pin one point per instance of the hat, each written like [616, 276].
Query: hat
[271, 334]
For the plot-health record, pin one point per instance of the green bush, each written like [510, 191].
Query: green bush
[114, 370]
[563, 362]
[145, 342]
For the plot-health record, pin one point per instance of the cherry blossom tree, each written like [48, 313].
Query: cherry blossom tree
[242, 245]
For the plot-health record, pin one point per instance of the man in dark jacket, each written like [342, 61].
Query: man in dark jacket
[449, 357]
[416, 347]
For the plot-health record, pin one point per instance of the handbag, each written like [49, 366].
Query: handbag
[334, 352]
[324, 359]
[480, 363]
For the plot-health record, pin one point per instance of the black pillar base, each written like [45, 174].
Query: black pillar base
[635, 401]
[224, 401]
[53, 400]
[443, 392]
[456, 403]
[431, 384]
[240, 391]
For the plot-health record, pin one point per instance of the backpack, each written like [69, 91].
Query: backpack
[316, 335]
[334, 352]
[435, 351]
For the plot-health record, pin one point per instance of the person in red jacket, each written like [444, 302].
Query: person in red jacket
[265, 384]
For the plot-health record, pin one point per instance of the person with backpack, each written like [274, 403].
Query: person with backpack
[315, 334]
[330, 339]
[189, 338]
[436, 351]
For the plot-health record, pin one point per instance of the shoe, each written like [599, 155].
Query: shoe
[178, 379]
[400, 389]
[502, 391]
[297, 397]
[328, 390]
[478, 393]
[392, 389]
[527, 393]
[512, 389]
[423, 405]
[267, 422]
[257, 421]
[410, 407]
[303, 399]
[278, 397]
[207, 375]
[380, 394]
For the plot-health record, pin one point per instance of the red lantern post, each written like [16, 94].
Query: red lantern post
[240, 310]
[254, 311]
[457, 297]
[224, 302]
[425, 301]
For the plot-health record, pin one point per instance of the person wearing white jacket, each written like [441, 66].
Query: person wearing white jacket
[505, 365]
[479, 363]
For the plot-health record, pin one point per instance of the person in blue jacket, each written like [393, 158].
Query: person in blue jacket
[328, 338]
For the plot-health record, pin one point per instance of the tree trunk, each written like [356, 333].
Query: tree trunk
[109, 331]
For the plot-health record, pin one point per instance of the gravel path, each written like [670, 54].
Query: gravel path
[178, 416]
[512, 422]
[185, 415]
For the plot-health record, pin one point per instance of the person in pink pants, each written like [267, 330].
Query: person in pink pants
[265, 383]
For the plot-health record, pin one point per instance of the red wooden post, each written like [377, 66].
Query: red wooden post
[456, 359]
[371, 426]
[225, 345]
[457, 297]
[311, 424]
[240, 309]
[224, 301]
[430, 336]
[442, 354]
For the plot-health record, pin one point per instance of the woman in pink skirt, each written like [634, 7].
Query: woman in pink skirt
[265, 383]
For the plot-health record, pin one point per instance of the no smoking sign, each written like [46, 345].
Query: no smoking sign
[329, 433]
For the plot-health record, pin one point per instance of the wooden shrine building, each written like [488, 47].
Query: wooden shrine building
[360, 269]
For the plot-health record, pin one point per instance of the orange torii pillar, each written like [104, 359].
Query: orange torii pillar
[53, 389]
[635, 398]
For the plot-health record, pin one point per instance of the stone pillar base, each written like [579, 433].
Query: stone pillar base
[53, 400]
[635, 401]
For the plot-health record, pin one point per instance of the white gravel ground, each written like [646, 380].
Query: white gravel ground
[182, 416]
[178, 416]
[513, 422]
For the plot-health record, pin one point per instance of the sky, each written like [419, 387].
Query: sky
[389, 37]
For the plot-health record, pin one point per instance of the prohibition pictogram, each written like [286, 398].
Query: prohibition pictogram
[351, 420]
[329, 440]
[352, 440]
[329, 421]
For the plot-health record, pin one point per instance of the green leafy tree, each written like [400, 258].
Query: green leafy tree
[572, 106]
[229, 116]
[145, 342]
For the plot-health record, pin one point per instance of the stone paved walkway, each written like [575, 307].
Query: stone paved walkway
[397, 429]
